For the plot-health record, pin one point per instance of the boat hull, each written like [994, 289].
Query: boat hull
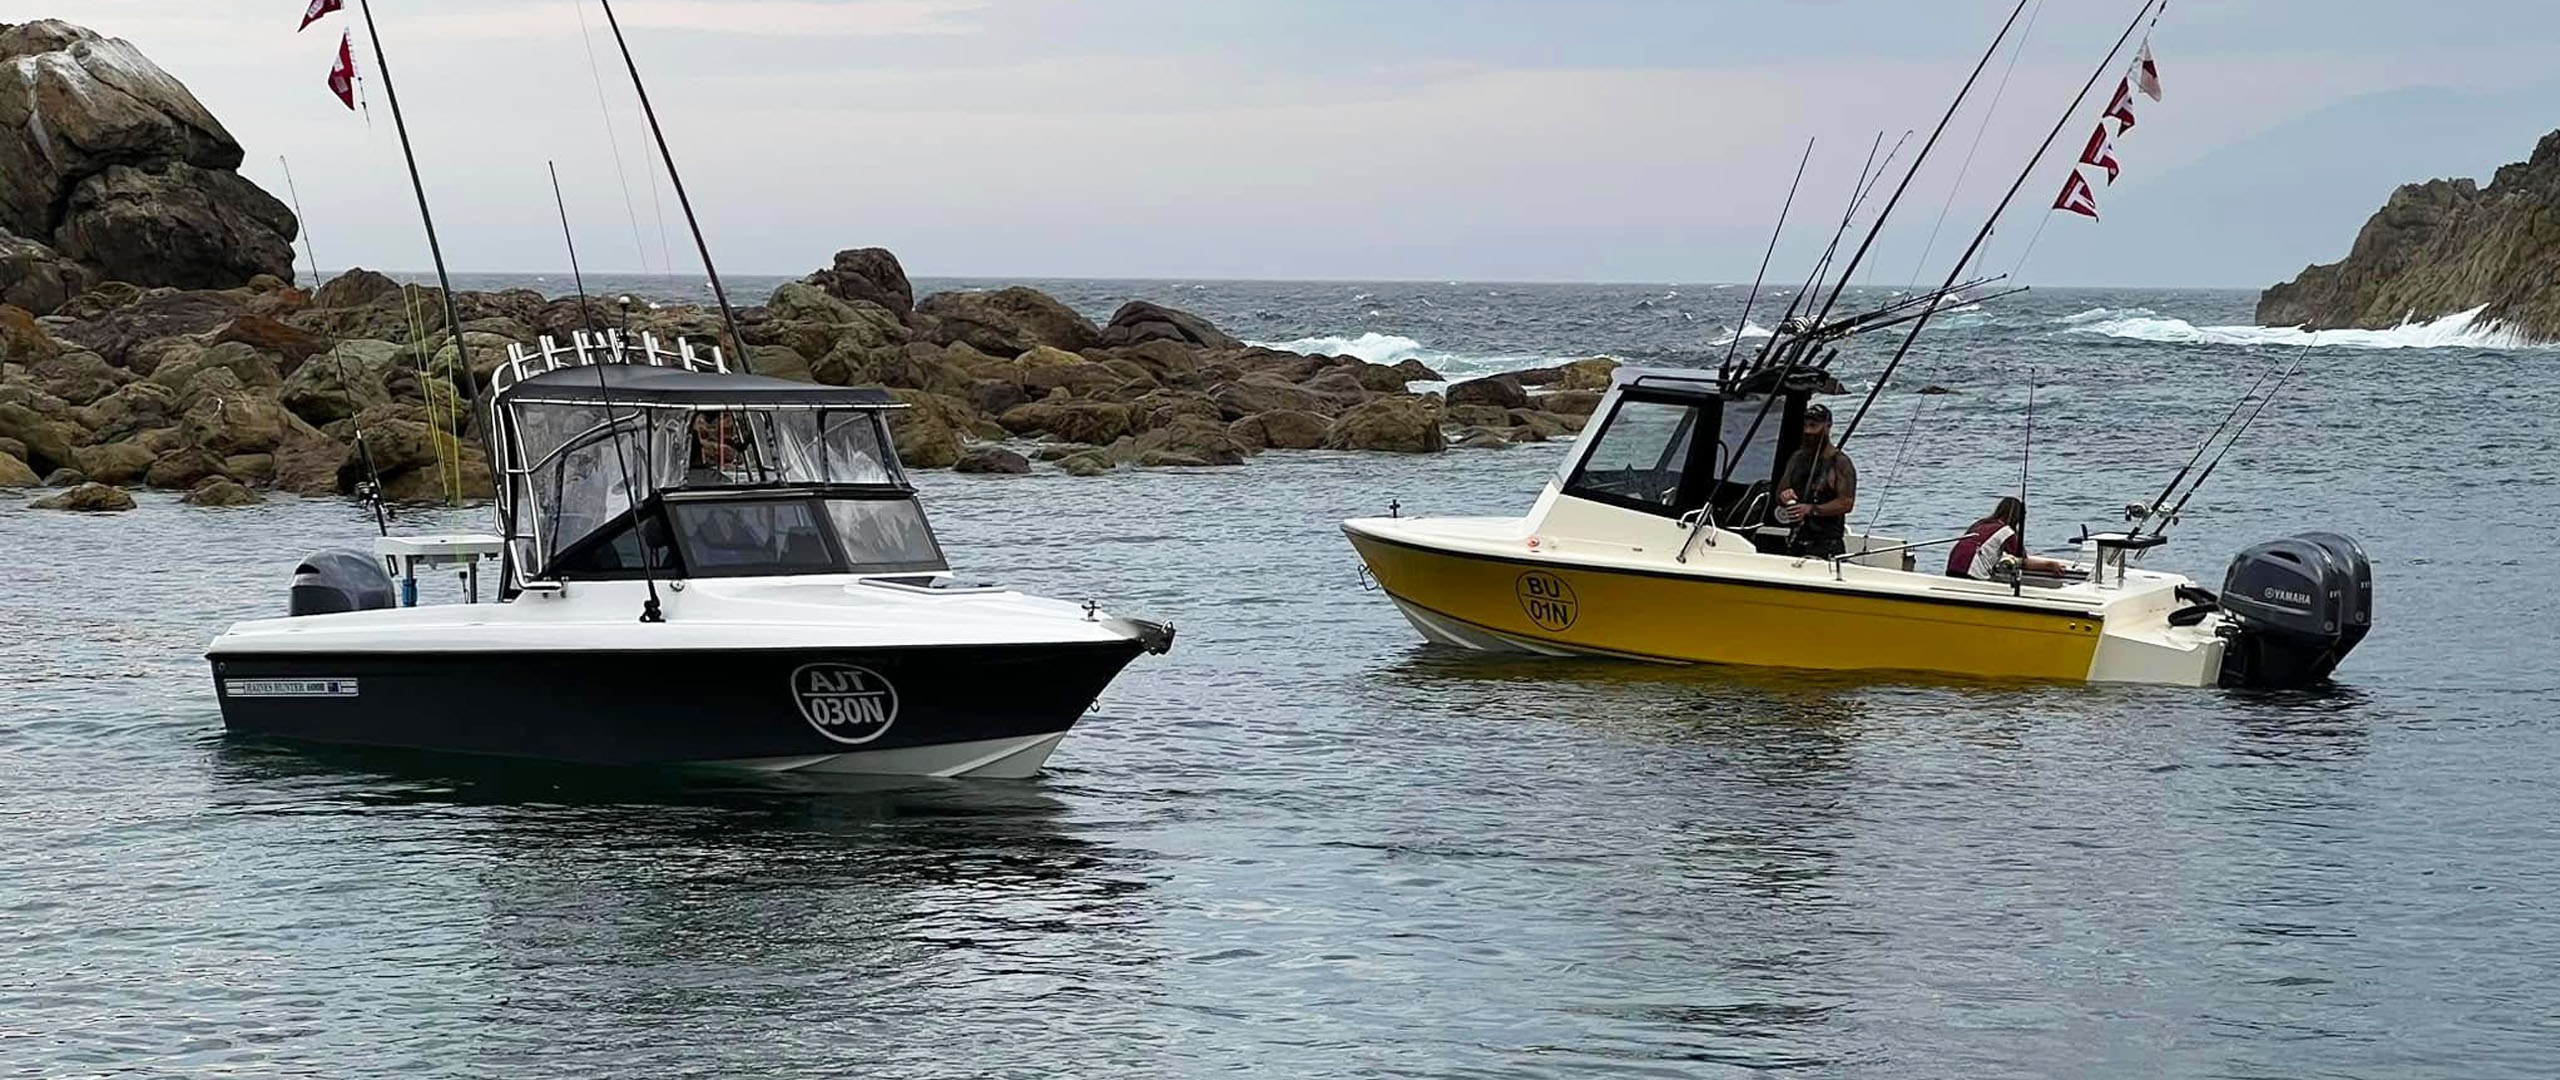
[979, 710]
[1554, 605]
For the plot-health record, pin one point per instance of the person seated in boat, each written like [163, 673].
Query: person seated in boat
[1817, 490]
[1978, 555]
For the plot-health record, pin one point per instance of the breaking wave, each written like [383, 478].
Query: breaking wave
[1749, 330]
[1378, 348]
[2462, 329]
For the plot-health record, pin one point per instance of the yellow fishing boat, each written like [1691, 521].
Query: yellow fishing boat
[1654, 540]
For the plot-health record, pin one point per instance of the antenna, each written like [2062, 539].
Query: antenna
[302, 219]
[649, 610]
[2026, 452]
[728, 317]
[452, 315]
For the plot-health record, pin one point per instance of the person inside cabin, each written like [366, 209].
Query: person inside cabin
[1978, 555]
[1818, 489]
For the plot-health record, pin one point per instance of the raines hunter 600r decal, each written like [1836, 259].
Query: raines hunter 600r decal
[848, 704]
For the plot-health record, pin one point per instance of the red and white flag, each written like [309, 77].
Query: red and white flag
[2077, 198]
[2102, 153]
[2146, 74]
[2122, 107]
[317, 9]
[342, 75]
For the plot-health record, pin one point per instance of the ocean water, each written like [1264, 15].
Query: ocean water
[1304, 843]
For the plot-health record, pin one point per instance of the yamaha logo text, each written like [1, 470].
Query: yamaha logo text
[2287, 595]
[845, 703]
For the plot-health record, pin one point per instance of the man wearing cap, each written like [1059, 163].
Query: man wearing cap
[1818, 489]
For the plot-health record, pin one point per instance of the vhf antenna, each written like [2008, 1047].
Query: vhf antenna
[650, 612]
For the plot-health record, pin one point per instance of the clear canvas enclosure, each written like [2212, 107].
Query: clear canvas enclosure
[610, 465]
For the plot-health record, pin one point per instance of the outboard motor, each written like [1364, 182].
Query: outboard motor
[343, 580]
[2296, 607]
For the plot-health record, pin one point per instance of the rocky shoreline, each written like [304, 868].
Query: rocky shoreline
[150, 336]
[2440, 248]
[265, 386]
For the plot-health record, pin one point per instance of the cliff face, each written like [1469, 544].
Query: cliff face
[2442, 247]
[110, 170]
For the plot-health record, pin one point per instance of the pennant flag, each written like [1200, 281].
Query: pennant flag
[2146, 74]
[2077, 198]
[2102, 153]
[2122, 107]
[317, 9]
[342, 75]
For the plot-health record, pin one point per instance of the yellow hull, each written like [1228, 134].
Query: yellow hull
[1686, 618]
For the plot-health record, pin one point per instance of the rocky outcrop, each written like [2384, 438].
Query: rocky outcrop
[870, 275]
[111, 170]
[1007, 321]
[2442, 247]
[87, 498]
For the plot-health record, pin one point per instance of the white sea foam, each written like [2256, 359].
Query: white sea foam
[1749, 330]
[1378, 348]
[2462, 329]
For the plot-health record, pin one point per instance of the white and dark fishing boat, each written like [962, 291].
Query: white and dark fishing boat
[695, 568]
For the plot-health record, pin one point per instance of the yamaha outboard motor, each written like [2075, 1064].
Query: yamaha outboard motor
[2296, 607]
[334, 581]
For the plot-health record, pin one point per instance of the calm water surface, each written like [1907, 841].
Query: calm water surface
[1306, 844]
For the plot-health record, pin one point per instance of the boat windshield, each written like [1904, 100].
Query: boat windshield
[761, 536]
[1640, 456]
[582, 468]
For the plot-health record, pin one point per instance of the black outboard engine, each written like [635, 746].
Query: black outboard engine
[334, 581]
[2296, 606]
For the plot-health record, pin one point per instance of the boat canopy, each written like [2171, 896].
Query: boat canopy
[590, 440]
[1672, 442]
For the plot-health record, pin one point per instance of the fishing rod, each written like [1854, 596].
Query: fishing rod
[2145, 511]
[2161, 527]
[302, 219]
[1763, 275]
[435, 248]
[1895, 470]
[649, 609]
[1796, 357]
[1994, 220]
[728, 316]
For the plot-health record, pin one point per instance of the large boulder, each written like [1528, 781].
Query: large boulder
[1190, 441]
[1007, 321]
[77, 376]
[112, 162]
[1282, 429]
[221, 493]
[113, 463]
[927, 431]
[291, 344]
[1401, 424]
[1094, 422]
[310, 463]
[15, 473]
[87, 498]
[48, 441]
[153, 316]
[1140, 321]
[992, 459]
[870, 275]
[235, 422]
[336, 386]
[1498, 391]
[38, 278]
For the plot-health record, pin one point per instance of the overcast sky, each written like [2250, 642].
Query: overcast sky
[1613, 140]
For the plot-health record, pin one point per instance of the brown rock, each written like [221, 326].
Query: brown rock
[429, 484]
[222, 493]
[1400, 424]
[77, 376]
[64, 478]
[992, 459]
[1007, 321]
[250, 468]
[1088, 463]
[113, 463]
[182, 468]
[1096, 422]
[87, 498]
[1499, 391]
[1567, 402]
[1191, 441]
[131, 410]
[235, 422]
[37, 278]
[1336, 389]
[1282, 429]
[1140, 321]
[291, 344]
[1261, 393]
[309, 464]
[14, 473]
[160, 313]
[871, 275]
[48, 441]
[1529, 425]
[927, 431]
